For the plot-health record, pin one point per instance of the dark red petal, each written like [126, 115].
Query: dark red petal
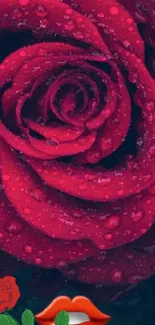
[141, 10]
[61, 216]
[28, 244]
[20, 144]
[10, 66]
[111, 16]
[115, 129]
[53, 22]
[64, 149]
[58, 133]
[123, 266]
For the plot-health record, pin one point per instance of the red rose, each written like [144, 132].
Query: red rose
[77, 137]
[9, 293]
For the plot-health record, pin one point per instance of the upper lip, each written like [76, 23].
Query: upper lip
[77, 304]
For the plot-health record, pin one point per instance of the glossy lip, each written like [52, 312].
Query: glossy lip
[77, 304]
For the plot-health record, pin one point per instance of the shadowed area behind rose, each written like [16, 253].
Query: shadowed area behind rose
[77, 140]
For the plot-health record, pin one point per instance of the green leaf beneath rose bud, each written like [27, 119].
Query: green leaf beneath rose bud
[62, 318]
[7, 320]
[27, 317]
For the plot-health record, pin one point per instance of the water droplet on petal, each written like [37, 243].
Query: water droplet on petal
[28, 249]
[150, 106]
[17, 13]
[101, 15]
[5, 177]
[37, 194]
[104, 181]
[78, 35]
[120, 192]
[27, 210]
[126, 43]
[1, 235]
[14, 227]
[61, 264]
[114, 10]
[108, 236]
[137, 216]
[117, 276]
[152, 149]
[69, 26]
[136, 278]
[22, 53]
[41, 11]
[112, 222]
[38, 260]
[69, 11]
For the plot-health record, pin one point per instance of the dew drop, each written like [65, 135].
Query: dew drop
[14, 227]
[129, 20]
[17, 13]
[6, 177]
[1, 235]
[150, 106]
[104, 181]
[108, 236]
[114, 10]
[136, 278]
[126, 43]
[69, 11]
[117, 276]
[101, 15]
[28, 249]
[152, 150]
[69, 26]
[78, 35]
[137, 216]
[120, 192]
[38, 260]
[37, 194]
[41, 11]
[27, 210]
[112, 222]
[22, 53]
[61, 264]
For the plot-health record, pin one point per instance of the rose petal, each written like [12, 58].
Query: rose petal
[53, 22]
[123, 266]
[23, 241]
[59, 133]
[111, 16]
[10, 66]
[20, 144]
[61, 217]
[64, 149]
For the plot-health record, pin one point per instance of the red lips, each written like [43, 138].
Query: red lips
[78, 304]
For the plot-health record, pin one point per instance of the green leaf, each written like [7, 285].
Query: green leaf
[62, 318]
[7, 320]
[27, 317]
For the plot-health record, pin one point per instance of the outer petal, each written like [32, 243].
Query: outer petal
[114, 20]
[60, 216]
[126, 265]
[23, 241]
[52, 22]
